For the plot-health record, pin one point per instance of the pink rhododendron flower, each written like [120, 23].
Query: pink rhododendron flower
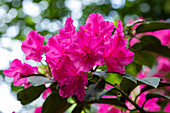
[17, 70]
[37, 110]
[116, 55]
[97, 26]
[71, 80]
[54, 52]
[45, 93]
[66, 33]
[86, 51]
[33, 46]
[76, 84]
[167, 108]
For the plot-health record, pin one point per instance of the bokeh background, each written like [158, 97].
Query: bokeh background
[18, 17]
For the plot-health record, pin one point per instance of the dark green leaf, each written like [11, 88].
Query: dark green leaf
[152, 26]
[128, 83]
[151, 44]
[55, 104]
[33, 75]
[152, 81]
[111, 101]
[153, 95]
[156, 112]
[39, 80]
[146, 88]
[144, 58]
[111, 91]
[135, 22]
[94, 89]
[30, 94]
[100, 73]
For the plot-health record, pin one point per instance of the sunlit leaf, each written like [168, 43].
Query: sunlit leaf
[152, 81]
[113, 78]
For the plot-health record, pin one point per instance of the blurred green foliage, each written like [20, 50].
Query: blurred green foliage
[56, 10]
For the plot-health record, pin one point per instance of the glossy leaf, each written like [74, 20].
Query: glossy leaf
[152, 81]
[41, 75]
[111, 101]
[151, 44]
[39, 80]
[55, 104]
[94, 89]
[146, 88]
[113, 78]
[128, 83]
[30, 94]
[111, 91]
[100, 73]
[153, 95]
[144, 58]
[152, 26]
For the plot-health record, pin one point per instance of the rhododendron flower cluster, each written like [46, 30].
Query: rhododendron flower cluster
[17, 70]
[70, 55]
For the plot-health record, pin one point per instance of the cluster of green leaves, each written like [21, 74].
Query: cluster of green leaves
[122, 84]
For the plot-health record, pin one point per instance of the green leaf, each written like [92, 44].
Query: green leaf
[111, 101]
[135, 22]
[152, 26]
[39, 80]
[78, 108]
[144, 58]
[111, 91]
[113, 78]
[152, 81]
[128, 83]
[100, 73]
[153, 95]
[161, 84]
[30, 94]
[94, 89]
[133, 68]
[55, 104]
[33, 75]
[151, 44]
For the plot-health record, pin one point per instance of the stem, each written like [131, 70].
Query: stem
[96, 68]
[126, 96]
